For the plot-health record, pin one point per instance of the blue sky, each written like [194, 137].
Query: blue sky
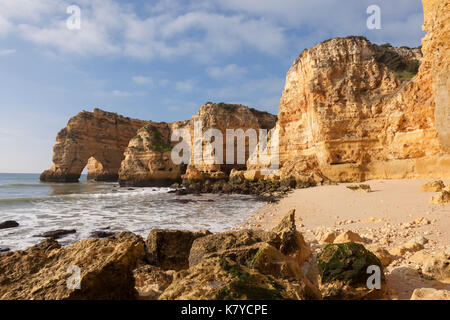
[160, 60]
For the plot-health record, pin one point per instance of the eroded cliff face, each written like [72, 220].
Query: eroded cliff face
[97, 139]
[349, 111]
[225, 117]
[148, 160]
[436, 48]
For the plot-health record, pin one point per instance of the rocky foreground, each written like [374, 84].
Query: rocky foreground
[171, 264]
[405, 223]
[350, 111]
[244, 264]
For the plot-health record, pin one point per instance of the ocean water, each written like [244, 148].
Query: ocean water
[92, 206]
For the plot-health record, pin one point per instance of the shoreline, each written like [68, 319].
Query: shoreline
[394, 222]
[398, 201]
[138, 210]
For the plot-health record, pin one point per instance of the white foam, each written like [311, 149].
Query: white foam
[138, 210]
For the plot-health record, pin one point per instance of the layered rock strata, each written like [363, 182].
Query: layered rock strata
[229, 120]
[148, 158]
[89, 269]
[436, 49]
[350, 112]
[95, 139]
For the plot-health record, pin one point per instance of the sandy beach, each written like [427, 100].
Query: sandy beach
[390, 204]
[396, 212]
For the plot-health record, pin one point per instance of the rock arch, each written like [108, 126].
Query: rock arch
[98, 135]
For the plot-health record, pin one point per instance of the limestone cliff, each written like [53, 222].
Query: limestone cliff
[436, 48]
[148, 159]
[97, 139]
[225, 117]
[350, 111]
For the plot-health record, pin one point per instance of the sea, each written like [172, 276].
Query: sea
[90, 206]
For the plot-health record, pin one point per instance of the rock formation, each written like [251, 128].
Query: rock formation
[225, 117]
[223, 279]
[246, 264]
[343, 272]
[138, 153]
[169, 249]
[44, 271]
[148, 159]
[350, 112]
[97, 139]
[436, 50]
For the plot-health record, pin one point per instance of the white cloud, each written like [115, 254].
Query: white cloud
[185, 86]
[7, 52]
[267, 90]
[119, 93]
[205, 30]
[142, 80]
[163, 82]
[227, 72]
[330, 18]
[113, 28]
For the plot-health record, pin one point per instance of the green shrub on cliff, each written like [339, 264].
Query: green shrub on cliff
[156, 138]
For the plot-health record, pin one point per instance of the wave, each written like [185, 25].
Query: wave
[87, 196]
[33, 199]
[12, 185]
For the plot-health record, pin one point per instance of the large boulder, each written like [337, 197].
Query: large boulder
[278, 253]
[238, 245]
[47, 271]
[223, 279]
[292, 242]
[343, 271]
[241, 246]
[169, 249]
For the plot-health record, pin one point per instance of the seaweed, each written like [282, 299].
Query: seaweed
[242, 286]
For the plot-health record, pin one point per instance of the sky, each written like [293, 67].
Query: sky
[161, 60]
